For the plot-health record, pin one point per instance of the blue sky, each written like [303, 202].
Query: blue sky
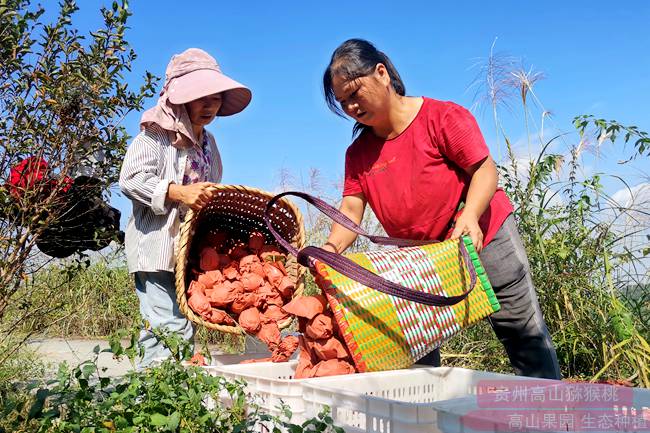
[595, 56]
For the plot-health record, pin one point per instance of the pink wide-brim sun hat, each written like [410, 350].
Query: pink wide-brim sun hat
[194, 74]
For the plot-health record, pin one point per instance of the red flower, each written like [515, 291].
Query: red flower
[26, 174]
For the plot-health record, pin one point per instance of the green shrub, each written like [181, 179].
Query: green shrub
[96, 301]
[167, 397]
[62, 98]
[578, 251]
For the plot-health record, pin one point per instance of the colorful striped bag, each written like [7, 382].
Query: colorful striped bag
[396, 305]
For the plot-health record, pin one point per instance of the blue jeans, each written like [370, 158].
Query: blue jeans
[519, 324]
[157, 294]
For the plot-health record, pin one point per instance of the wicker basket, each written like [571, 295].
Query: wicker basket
[237, 210]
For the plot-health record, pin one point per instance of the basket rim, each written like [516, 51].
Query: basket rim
[186, 231]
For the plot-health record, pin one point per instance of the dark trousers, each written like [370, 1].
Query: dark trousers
[519, 324]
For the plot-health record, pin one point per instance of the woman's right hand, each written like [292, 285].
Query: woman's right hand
[340, 238]
[195, 195]
[329, 246]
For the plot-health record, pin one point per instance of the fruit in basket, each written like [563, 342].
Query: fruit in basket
[280, 266]
[286, 287]
[243, 301]
[199, 303]
[269, 296]
[250, 285]
[269, 333]
[239, 287]
[209, 259]
[220, 317]
[196, 287]
[246, 262]
[258, 269]
[320, 327]
[305, 306]
[210, 278]
[273, 274]
[249, 319]
[274, 312]
[285, 349]
[251, 281]
[230, 272]
[223, 294]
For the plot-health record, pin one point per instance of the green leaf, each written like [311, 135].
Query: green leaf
[37, 407]
[121, 422]
[88, 370]
[116, 346]
[158, 419]
[173, 421]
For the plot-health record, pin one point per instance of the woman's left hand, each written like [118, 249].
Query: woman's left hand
[467, 224]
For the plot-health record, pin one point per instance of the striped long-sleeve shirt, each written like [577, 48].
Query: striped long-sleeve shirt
[150, 165]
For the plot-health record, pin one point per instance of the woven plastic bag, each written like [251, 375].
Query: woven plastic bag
[396, 305]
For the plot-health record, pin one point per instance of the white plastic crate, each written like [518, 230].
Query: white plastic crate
[221, 359]
[230, 359]
[398, 401]
[270, 385]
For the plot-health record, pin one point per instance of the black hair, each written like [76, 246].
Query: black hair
[353, 59]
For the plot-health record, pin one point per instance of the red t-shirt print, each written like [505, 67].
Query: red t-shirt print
[415, 181]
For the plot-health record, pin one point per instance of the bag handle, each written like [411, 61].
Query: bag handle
[352, 270]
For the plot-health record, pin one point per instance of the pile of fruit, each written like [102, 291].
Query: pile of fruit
[247, 284]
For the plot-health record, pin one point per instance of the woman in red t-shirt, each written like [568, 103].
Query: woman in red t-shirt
[416, 161]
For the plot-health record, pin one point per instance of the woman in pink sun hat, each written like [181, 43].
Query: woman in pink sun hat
[171, 166]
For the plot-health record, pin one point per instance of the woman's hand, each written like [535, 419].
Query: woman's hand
[481, 190]
[328, 246]
[195, 195]
[340, 238]
[467, 224]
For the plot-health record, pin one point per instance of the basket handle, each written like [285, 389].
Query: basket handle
[359, 274]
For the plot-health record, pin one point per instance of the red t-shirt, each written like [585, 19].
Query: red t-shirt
[415, 181]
